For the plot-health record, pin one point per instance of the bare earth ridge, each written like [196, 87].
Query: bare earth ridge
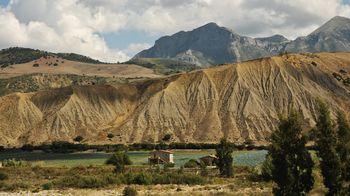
[57, 65]
[240, 101]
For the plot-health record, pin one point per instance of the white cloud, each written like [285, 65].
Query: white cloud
[134, 48]
[58, 26]
[251, 17]
[77, 25]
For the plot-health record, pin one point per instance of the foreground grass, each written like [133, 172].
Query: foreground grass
[148, 181]
[103, 177]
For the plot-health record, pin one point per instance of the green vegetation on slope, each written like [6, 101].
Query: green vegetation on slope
[78, 58]
[17, 55]
[36, 82]
[163, 66]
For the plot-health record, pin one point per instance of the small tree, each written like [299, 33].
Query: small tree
[343, 144]
[78, 139]
[224, 158]
[267, 168]
[119, 159]
[203, 167]
[129, 191]
[291, 161]
[166, 137]
[110, 135]
[326, 150]
[192, 163]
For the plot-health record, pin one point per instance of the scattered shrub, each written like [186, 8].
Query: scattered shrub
[180, 170]
[192, 163]
[166, 137]
[204, 171]
[175, 178]
[337, 76]
[110, 135]
[14, 163]
[14, 186]
[3, 176]
[266, 169]
[78, 138]
[77, 181]
[342, 71]
[169, 165]
[142, 179]
[47, 186]
[129, 191]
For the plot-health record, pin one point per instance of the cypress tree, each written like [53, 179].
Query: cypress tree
[343, 145]
[292, 163]
[326, 150]
[224, 160]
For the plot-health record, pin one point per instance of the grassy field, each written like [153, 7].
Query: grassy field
[241, 158]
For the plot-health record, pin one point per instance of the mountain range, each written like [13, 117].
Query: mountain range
[211, 44]
[172, 88]
[239, 101]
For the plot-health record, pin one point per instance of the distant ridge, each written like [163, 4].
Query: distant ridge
[211, 44]
[18, 55]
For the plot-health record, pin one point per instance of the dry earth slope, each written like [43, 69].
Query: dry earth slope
[240, 101]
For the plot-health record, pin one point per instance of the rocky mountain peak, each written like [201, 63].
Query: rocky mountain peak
[274, 39]
[337, 23]
[212, 44]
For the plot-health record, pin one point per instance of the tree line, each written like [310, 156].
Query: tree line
[292, 163]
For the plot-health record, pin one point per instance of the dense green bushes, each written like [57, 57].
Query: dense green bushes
[17, 55]
[140, 178]
[14, 163]
[67, 147]
[192, 163]
[3, 176]
[119, 159]
[78, 181]
[147, 178]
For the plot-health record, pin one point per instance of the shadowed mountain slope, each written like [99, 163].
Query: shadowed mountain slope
[211, 44]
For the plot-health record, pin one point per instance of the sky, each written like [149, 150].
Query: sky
[115, 30]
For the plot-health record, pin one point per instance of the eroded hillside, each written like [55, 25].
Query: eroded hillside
[240, 101]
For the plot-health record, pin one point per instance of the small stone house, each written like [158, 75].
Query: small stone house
[209, 160]
[161, 157]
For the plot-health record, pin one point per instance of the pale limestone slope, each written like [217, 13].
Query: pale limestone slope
[240, 101]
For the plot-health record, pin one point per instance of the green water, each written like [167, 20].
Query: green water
[241, 158]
